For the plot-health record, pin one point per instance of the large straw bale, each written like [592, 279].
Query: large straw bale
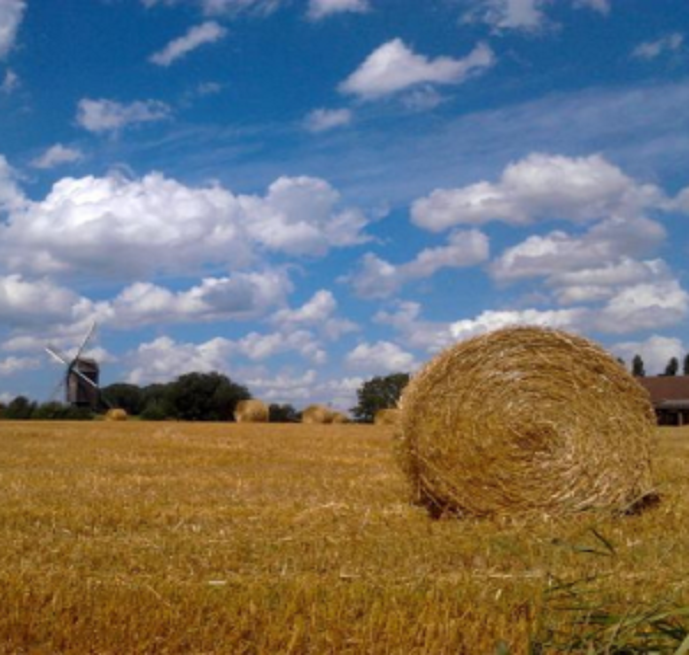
[317, 414]
[251, 411]
[526, 420]
[116, 414]
[390, 416]
[340, 418]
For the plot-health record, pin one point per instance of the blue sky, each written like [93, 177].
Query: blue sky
[306, 193]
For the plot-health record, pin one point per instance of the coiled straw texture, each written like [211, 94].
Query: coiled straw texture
[525, 420]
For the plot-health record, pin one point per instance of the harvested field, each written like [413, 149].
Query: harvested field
[242, 538]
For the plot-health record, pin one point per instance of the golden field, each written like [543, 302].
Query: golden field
[238, 538]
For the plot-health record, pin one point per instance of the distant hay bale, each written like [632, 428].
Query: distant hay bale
[525, 420]
[116, 415]
[317, 414]
[340, 418]
[251, 411]
[389, 416]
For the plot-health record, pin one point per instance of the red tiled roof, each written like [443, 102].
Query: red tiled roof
[666, 387]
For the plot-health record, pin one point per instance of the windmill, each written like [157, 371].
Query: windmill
[81, 375]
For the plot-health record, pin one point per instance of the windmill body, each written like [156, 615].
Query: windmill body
[81, 378]
[78, 392]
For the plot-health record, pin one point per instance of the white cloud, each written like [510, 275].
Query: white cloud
[208, 32]
[377, 278]
[127, 229]
[283, 388]
[318, 313]
[10, 82]
[653, 49]
[380, 357]
[110, 116]
[319, 9]
[11, 196]
[558, 252]
[602, 282]
[259, 347]
[539, 187]
[526, 15]
[566, 319]
[416, 332]
[644, 306]
[12, 365]
[35, 303]
[394, 67]
[164, 359]
[11, 15]
[239, 297]
[656, 352]
[56, 155]
[321, 120]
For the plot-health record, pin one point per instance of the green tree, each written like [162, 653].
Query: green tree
[128, 397]
[283, 414]
[205, 397]
[20, 408]
[672, 366]
[685, 366]
[638, 366]
[379, 393]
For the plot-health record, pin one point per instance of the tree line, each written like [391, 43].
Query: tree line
[672, 367]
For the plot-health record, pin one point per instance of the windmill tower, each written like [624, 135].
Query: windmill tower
[81, 377]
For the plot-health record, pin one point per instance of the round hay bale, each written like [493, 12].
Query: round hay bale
[251, 411]
[526, 420]
[389, 416]
[340, 418]
[317, 414]
[116, 414]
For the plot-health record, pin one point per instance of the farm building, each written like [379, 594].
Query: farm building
[670, 397]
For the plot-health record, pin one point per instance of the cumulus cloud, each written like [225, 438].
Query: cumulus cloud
[11, 15]
[317, 313]
[377, 278]
[128, 229]
[394, 67]
[380, 357]
[25, 303]
[644, 306]
[557, 252]
[239, 297]
[233, 7]
[196, 36]
[656, 352]
[566, 319]
[283, 388]
[322, 120]
[601, 282]
[539, 187]
[319, 9]
[56, 155]
[11, 196]
[11, 365]
[654, 49]
[111, 116]
[164, 358]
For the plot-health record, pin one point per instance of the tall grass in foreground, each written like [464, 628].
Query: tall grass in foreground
[183, 538]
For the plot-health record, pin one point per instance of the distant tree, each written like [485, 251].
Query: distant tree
[283, 414]
[55, 411]
[685, 365]
[205, 397]
[20, 408]
[154, 411]
[379, 393]
[128, 397]
[638, 366]
[621, 362]
[672, 366]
